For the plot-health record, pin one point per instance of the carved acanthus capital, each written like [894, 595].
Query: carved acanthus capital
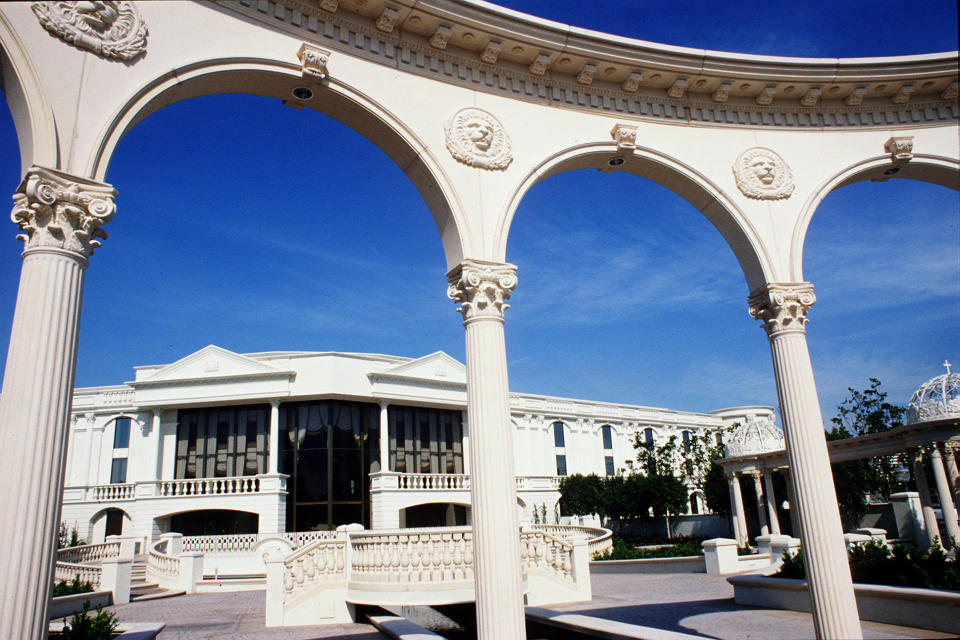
[782, 307]
[900, 148]
[625, 136]
[481, 288]
[58, 211]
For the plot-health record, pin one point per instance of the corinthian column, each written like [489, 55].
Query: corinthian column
[758, 490]
[783, 310]
[947, 507]
[60, 217]
[736, 502]
[481, 289]
[950, 458]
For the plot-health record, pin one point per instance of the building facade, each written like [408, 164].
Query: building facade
[220, 442]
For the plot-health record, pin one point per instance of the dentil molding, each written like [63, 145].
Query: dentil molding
[782, 307]
[58, 211]
[110, 29]
[481, 288]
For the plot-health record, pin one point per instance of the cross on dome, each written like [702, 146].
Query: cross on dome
[946, 363]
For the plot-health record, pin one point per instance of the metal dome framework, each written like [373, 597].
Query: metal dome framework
[937, 398]
[756, 435]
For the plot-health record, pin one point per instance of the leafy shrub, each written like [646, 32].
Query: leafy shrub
[903, 566]
[64, 588]
[746, 550]
[84, 627]
[681, 548]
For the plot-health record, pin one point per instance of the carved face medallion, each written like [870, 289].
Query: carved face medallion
[108, 28]
[476, 138]
[763, 175]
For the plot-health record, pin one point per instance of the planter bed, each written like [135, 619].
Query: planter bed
[683, 564]
[64, 606]
[934, 609]
[126, 631]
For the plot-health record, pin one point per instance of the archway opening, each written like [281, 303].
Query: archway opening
[213, 522]
[435, 514]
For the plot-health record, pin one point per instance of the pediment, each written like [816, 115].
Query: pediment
[211, 362]
[436, 367]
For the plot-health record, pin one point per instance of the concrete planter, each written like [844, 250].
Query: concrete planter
[64, 606]
[924, 608]
[685, 564]
[126, 630]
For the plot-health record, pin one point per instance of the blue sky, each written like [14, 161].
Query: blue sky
[278, 239]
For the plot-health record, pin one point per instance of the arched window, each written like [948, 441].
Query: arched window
[686, 441]
[607, 432]
[558, 435]
[694, 504]
[648, 435]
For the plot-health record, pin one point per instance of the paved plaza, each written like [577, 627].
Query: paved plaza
[690, 603]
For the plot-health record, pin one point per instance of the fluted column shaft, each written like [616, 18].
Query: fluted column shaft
[930, 526]
[157, 445]
[783, 309]
[481, 288]
[60, 216]
[273, 459]
[950, 458]
[947, 506]
[384, 436]
[771, 500]
[758, 490]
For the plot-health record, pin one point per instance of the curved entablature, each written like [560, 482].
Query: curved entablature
[495, 50]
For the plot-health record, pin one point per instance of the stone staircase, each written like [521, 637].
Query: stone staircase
[140, 589]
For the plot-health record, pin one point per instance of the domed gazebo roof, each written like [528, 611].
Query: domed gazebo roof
[936, 398]
[756, 435]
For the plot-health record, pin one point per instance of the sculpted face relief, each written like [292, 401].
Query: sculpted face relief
[477, 139]
[761, 174]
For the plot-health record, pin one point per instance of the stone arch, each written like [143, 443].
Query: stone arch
[169, 519]
[429, 513]
[334, 98]
[29, 106]
[97, 524]
[680, 178]
[922, 167]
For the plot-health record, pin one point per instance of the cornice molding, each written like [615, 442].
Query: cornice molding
[495, 50]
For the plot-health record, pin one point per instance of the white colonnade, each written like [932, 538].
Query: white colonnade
[60, 216]
[481, 289]
[783, 309]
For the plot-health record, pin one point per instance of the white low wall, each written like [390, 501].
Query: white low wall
[64, 606]
[924, 608]
[687, 564]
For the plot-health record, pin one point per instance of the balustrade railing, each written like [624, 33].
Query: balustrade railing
[163, 568]
[542, 553]
[302, 538]
[69, 571]
[209, 486]
[88, 553]
[323, 561]
[413, 556]
[598, 539]
[108, 492]
[548, 483]
[434, 481]
[221, 545]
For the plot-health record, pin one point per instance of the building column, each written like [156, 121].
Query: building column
[157, 445]
[736, 504]
[947, 506]
[950, 457]
[384, 436]
[273, 457]
[771, 500]
[60, 216]
[481, 289]
[932, 530]
[783, 310]
[761, 514]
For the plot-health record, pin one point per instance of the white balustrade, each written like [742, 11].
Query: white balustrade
[302, 538]
[88, 553]
[413, 556]
[598, 539]
[319, 563]
[69, 571]
[163, 568]
[544, 554]
[209, 486]
[541, 483]
[108, 492]
[434, 481]
[221, 545]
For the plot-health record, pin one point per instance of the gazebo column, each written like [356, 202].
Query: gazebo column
[926, 502]
[482, 288]
[783, 309]
[947, 506]
[60, 216]
[792, 501]
[950, 458]
[771, 499]
[761, 514]
[736, 504]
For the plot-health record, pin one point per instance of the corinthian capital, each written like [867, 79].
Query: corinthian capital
[58, 211]
[481, 288]
[782, 307]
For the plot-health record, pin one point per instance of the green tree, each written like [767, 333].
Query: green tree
[863, 412]
[580, 495]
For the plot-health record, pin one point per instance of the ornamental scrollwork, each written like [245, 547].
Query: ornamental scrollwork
[481, 288]
[477, 139]
[109, 28]
[761, 174]
[55, 211]
[782, 307]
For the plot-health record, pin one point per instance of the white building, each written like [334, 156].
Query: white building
[220, 442]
